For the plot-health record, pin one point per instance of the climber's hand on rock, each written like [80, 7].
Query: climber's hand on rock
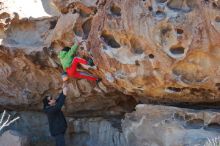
[83, 43]
[76, 41]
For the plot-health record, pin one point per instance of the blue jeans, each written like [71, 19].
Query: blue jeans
[60, 141]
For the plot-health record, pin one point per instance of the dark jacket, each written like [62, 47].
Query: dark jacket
[57, 121]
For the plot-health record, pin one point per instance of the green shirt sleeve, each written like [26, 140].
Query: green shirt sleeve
[72, 51]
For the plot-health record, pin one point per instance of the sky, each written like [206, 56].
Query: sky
[25, 8]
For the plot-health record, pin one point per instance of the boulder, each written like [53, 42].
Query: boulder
[13, 138]
[157, 125]
[159, 50]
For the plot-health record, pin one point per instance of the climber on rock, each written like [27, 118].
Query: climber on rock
[70, 62]
[57, 122]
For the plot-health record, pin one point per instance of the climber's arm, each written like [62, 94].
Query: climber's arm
[74, 48]
[59, 102]
[58, 106]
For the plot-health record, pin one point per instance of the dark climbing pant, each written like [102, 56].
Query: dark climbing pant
[60, 141]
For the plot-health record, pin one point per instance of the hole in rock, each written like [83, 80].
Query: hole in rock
[86, 28]
[151, 56]
[217, 84]
[177, 50]
[165, 31]
[188, 117]
[136, 47]
[206, 1]
[178, 116]
[7, 20]
[179, 31]
[161, 1]
[64, 10]
[83, 13]
[74, 11]
[137, 62]
[213, 127]
[217, 19]
[160, 14]
[115, 10]
[6, 26]
[150, 8]
[215, 6]
[78, 30]
[110, 40]
[175, 4]
[53, 24]
[194, 124]
[94, 9]
[174, 89]
[194, 90]
[128, 105]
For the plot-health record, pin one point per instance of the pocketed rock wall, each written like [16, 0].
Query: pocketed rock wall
[160, 50]
[165, 50]
[145, 50]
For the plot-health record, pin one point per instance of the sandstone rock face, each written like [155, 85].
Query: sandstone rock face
[158, 50]
[167, 50]
[168, 126]
[161, 50]
[149, 125]
[30, 69]
[95, 132]
[13, 138]
[85, 131]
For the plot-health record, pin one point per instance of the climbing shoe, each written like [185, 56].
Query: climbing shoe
[92, 67]
[98, 80]
[90, 62]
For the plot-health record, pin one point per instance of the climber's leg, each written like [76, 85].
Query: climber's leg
[83, 75]
[72, 69]
[90, 64]
[78, 60]
[60, 140]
